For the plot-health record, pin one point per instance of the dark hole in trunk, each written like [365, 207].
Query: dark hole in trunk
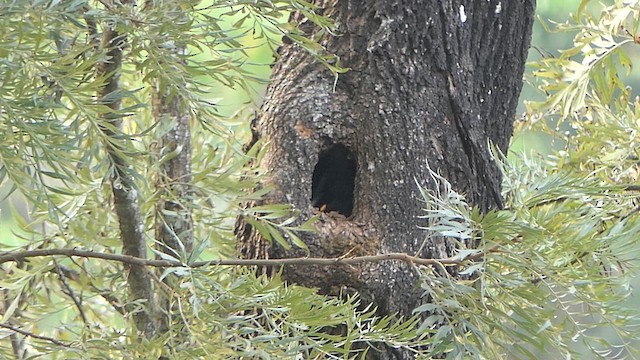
[333, 180]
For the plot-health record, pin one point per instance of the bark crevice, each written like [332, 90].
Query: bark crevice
[333, 181]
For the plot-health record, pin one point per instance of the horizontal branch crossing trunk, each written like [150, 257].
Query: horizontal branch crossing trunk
[431, 85]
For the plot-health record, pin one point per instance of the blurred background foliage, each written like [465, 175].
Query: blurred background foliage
[547, 42]
[592, 129]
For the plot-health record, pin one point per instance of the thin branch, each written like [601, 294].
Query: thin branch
[17, 343]
[104, 293]
[70, 292]
[106, 4]
[125, 193]
[635, 210]
[35, 336]
[131, 260]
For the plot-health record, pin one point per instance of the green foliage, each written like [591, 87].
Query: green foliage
[554, 265]
[553, 274]
[243, 317]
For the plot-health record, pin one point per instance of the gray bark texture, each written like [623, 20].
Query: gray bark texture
[430, 82]
[125, 195]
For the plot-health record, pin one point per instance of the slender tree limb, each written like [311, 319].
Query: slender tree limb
[303, 261]
[74, 275]
[125, 192]
[32, 335]
[18, 344]
[69, 291]
[634, 211]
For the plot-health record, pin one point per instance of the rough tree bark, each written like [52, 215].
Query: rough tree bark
[430, 82]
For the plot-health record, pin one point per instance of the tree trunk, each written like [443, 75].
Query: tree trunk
[125, 195]
[431, 84]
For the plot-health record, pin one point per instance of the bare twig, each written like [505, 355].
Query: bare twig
[17, 343]
[131, 260]
[634, 211]
[104, 293]
[35, 336]
[70, 292]
[106, 4]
